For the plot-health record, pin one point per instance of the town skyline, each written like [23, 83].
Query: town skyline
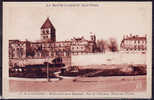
[82, 49]
[71, 23]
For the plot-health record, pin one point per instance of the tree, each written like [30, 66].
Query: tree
[113, 46]
[101, 46]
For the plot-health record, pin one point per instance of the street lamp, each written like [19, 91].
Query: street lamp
[48, 72]
[70, 57]
[48, 78]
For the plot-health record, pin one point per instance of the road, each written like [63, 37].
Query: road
[93, 84]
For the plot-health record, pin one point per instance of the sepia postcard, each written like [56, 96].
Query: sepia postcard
[77, 50]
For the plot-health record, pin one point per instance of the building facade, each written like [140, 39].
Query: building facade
[48, 31]
[133, 43]
[18, 49]
[47, 46]
[81, 45]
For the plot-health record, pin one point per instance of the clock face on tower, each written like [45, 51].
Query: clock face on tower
[48, 32]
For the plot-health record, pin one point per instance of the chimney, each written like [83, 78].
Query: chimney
[126, 36]
[130, 35]
[123, 36]
[145, 35]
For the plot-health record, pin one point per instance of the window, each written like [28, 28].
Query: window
[47, 31]
[135, 47]
[43, 31]
[134, 41]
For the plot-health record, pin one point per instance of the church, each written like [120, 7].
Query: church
[49, 47]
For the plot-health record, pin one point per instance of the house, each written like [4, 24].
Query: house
[81, 45]
[133, 43]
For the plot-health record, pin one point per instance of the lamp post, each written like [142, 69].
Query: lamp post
[48, 78]
[47, 61]
[48, 72]
[70, 58]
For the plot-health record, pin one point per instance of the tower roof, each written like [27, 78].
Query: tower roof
[47, 24]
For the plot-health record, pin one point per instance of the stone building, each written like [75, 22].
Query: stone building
[18, 49]
[48, 31]
[81, 45]
[47, 46]
[133, 43]
[62, 48]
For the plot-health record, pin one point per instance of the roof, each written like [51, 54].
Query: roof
[133, 38]
[79, 39]
[17, 41]
[136, 38]
[47, 24]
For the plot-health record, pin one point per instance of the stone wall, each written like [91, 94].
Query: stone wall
[109, 58]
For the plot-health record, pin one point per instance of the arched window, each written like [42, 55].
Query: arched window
[43, 31]
[134, 41]
[135, 47]
[47, 31]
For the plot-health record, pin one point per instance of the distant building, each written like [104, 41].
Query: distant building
[48, 46]
[18, 49]
[133, 43]
[81, 45]
[62, 48]
[48, 32]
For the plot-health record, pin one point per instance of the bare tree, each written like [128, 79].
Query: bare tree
[113, 46]
[101, 45]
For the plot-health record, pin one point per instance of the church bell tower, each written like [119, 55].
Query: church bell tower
[48, 32]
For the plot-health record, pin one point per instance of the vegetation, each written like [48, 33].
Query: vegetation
[113, 46]
[110, 45]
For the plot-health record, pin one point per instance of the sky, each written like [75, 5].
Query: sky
[104, 19]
